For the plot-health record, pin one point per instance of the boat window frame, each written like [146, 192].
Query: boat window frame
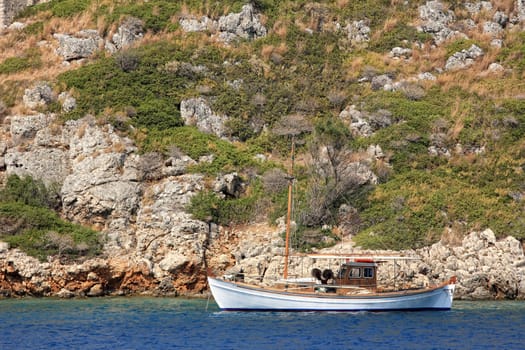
[352, 270]
[368, 269]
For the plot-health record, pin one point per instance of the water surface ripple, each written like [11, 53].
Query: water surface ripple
[177, 323]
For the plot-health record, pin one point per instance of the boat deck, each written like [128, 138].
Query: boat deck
[338, 290]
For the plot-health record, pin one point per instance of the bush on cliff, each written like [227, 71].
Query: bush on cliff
[28, 223]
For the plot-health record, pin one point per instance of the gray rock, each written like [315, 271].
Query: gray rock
[197, 112]
[68, 102]
[40, 94]
[501, 18]
[25, 127]
[358, 32]
[486, 268]
[381, 82]
[17, 26]
[357, 120]
[475, 8]
[492, 28]
[495, 68]
[245, 25]
[400, 52]
[364, 123]
[426, 76]
[190, 24]
[173, 262]
[496, 43]
[82, 45]
[436, 20]
[464, 58]
[130, 31]
[48, 164]
[229, 185]
[519, 9]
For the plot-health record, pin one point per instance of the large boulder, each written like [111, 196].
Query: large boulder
[130, 31]
[82, 45]
[191, 24]
[245, 24]
[40, 94]
[436, 20]
[197, 112]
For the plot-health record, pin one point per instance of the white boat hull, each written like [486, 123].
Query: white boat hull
[239, 297]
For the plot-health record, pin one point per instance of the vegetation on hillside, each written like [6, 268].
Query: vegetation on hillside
[306, 67]
[28, 221]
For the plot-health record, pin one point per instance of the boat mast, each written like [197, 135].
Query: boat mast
[289, 212]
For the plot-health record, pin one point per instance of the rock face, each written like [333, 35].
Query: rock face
[151, 240]
[486, 268]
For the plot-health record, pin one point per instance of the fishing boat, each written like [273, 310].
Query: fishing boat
[353, 287]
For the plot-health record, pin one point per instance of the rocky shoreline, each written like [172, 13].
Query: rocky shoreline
[487, 269]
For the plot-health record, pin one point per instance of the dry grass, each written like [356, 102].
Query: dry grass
[428, 58]
[342, 3]
[506, 6]
[458, 115]
[453, 236]
[280, 29]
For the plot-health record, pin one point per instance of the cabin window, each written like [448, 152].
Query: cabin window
[368, 272]
[355, 272]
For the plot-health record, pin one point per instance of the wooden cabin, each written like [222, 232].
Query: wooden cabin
[359, 273]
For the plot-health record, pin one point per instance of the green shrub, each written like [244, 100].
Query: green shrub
[34, 28]
[226, 157]
[41, 233]
[30, 59]
[147, 89]
[459, 45]
[396, 37]
[30, 192]
[155, 14]
[208, 207]
[58, 8]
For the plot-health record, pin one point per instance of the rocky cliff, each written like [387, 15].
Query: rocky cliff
[138, 200]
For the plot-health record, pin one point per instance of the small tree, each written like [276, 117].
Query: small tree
[327, 185]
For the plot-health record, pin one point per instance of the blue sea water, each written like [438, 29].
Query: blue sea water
[178, 323]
